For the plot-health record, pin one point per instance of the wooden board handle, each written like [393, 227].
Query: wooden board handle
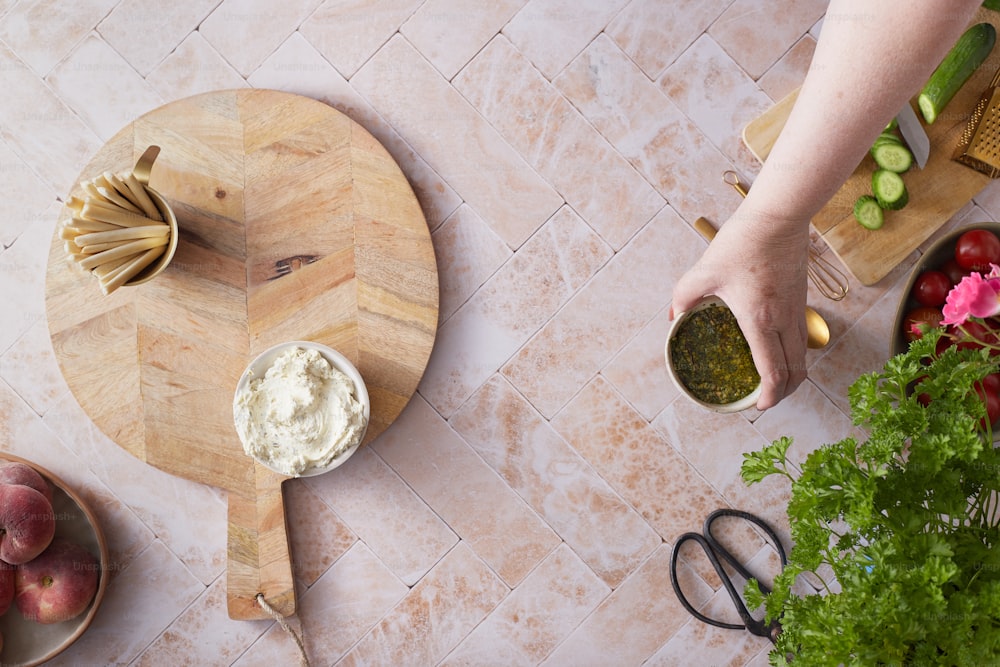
[259, 557]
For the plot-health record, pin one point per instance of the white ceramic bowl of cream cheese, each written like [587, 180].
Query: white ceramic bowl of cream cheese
[308, 417]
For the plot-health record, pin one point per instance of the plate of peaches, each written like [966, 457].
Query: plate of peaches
[53, 564]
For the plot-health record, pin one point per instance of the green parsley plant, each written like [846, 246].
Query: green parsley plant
[905, 523]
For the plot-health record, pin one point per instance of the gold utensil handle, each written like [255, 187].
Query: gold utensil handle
[733, 179]
[145, 164]
[705, 228]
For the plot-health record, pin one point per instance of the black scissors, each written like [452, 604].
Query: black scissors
[710, 545]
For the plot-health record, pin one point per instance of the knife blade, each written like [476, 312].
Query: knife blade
[914, 134]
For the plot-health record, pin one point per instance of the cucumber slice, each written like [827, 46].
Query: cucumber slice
[868, 212]
[890, 191]
[891, 155]
[886, 137]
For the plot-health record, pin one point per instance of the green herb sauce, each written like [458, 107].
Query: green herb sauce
[712, 358]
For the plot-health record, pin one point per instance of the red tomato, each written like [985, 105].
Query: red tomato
[974, 336]
[954, 272]
[922, 397]
[931, 288]
[992, 383]
[944, 342]
[918, 316]
[992, 401]
[971, 336]
[976, 249]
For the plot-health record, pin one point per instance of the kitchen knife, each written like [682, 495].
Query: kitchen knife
[914, 134]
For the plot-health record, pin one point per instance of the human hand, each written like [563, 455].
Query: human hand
[759, 269]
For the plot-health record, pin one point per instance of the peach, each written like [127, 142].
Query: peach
[27, 523]
[6, 587]
[57, 585]
[15, 472]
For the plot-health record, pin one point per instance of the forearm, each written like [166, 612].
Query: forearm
[870, 59]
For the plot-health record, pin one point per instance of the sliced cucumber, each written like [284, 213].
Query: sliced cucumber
[884, 138]
[892, 155]
[965, 56]
[868, 212]
[887, 136]
[889, 189]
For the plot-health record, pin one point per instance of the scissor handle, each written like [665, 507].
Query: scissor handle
[746, 516]
[704, 544]
[714, 551]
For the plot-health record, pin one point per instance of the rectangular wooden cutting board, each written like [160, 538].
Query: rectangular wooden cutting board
[937, 192]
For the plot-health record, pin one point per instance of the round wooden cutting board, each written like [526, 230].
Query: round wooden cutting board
[295, 224]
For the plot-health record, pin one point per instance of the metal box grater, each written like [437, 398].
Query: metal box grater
[979, 145]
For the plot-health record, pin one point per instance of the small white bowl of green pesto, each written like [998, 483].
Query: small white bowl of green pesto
[709, 360]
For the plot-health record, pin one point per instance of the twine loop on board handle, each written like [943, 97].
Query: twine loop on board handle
[273, 613]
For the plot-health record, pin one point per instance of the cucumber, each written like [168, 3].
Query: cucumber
[965, 56]
[892, 155]
[890, 191]
[887, 137]
[992, 4]
[868, 212]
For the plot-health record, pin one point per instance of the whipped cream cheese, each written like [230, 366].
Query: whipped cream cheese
[302, 414]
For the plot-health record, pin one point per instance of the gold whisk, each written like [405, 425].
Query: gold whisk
[828, 279]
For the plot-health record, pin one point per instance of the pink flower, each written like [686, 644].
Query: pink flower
[975, 296]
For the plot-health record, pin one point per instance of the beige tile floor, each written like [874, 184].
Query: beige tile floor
[523, 508]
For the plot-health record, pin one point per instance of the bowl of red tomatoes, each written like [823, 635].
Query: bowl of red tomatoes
[949, 259]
